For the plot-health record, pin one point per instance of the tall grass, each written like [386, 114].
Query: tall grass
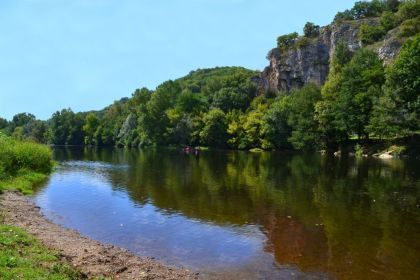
[23, 163]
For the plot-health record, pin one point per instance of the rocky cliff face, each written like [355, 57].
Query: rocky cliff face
[308, 61]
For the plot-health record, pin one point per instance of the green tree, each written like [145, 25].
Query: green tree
[276, 130]
[327, 110]
[214, 131]
[360, 86]
[190, 102]
[310, 30]
[18, 133]
[369, 34]
[3, 123]
[286, 41]
[153, 119]
[20, 119]
[89, 128]
[397, 113]
[391, 5]
[410, 27]
[36, 130]
[388, 20]
[342, 56]
[66, 128]
[365, 9]
[247, 129]
[140, 96]
[408, 9]
[301, 118]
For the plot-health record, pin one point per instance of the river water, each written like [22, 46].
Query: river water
[241, 215]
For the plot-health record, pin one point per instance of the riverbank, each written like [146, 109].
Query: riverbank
[89, 257]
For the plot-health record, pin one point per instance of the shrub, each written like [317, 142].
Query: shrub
[302, 42]
[286, 41]
[311, 30]
[18, 155]
[369, 34]
[388, 20]
[410, 27]
[408, 10]
[365, 9]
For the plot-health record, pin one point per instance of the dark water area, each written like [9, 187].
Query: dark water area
[241, 215]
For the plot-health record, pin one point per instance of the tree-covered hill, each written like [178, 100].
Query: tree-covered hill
[357, 78]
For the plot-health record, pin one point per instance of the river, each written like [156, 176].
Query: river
[244, 215]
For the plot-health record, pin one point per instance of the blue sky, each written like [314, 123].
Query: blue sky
[84, 54]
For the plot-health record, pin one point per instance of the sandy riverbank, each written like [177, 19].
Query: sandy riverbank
[88, 256]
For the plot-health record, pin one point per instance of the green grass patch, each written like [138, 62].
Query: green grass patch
[23, 257]
[23, 182]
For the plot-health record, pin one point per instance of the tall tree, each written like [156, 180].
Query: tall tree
[398, 112]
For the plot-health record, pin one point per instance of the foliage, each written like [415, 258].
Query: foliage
[22, 163]
[369, 34]
[367, 9]
[276, 130]
[301, 118]
[341, 57]
[388, 20]
[247, 130]
[410, 27]
[286, 41]
[214, 131]
[21, 120]
[66, 128]
[310, 30]
[89, 128]
[408, 9]
[348, 97]
[190, 103]
[222, 106]
[16, 155]
[302, 42]
[3, 123]
[397, 112]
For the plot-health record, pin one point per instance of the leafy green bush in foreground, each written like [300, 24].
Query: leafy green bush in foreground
[22, 164]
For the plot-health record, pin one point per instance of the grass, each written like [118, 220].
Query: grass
[23, 257]
[23, 182]
[23, 164]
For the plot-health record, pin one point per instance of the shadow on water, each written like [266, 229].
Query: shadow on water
[267, 215]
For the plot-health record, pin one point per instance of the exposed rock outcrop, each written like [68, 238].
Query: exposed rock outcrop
[308, 60]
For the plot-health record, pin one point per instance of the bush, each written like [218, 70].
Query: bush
[286, 41]
[302, 42]
[17, 155]
[311, 30]
[410, 27]
[369, 34]
[408, 10]
[365, 9]
[388, 20]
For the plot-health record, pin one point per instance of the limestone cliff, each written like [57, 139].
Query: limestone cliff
[308, 60]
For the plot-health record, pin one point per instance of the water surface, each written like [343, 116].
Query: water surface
[240, 215]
